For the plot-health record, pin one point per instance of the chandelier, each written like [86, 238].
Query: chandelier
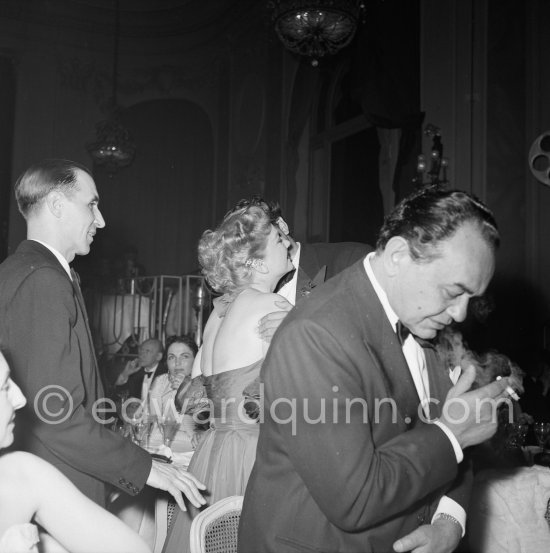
[112, 148]
[316, 28]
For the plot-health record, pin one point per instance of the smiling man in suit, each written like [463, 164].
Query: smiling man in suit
[362, 433]
[45, 336]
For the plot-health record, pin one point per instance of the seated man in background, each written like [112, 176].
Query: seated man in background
[136, 378]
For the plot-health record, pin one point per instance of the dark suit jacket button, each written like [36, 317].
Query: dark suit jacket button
[122, 481]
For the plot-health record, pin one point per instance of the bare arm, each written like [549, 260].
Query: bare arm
[76, 522]
[130, 368]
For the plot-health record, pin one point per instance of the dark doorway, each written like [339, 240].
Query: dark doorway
[356, 207]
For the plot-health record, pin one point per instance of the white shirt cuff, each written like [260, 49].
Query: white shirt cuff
[454, 442]
[451, 507]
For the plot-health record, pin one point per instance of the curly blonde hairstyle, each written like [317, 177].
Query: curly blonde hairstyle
[223, 253]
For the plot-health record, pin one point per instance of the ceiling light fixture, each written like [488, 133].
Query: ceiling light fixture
[113, 148]
[316, 28]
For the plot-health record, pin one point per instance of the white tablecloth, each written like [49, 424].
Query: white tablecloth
[507, 511]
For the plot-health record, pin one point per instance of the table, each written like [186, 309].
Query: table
[507, 511]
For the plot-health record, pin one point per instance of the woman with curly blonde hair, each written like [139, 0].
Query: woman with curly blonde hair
[243, 259]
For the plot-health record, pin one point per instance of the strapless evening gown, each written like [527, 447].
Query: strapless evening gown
[224, 458]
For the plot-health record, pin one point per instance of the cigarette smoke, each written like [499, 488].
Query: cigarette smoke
[455, 352]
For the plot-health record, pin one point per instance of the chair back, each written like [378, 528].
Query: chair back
[215, 529]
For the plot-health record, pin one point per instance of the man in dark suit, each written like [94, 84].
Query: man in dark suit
[138, 374]
[45, 336]
[362, 433]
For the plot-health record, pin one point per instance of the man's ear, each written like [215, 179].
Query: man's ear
[159, 356]
[396, 254]
[55, 201]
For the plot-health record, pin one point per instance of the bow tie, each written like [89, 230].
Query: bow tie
[403, 333]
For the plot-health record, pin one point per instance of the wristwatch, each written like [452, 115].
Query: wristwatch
[450, 518]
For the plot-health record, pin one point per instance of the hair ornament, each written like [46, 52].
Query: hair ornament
[254, 262]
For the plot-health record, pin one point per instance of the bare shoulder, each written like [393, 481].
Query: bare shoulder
[20, 464]
[258, 304]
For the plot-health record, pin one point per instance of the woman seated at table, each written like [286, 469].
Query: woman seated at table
[180, 354]
[243, 259]
[33, 491]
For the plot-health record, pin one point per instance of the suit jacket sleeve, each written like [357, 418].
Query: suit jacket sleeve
[359, 473]
[53, 356]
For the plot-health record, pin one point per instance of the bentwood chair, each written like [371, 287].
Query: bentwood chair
[215, 529]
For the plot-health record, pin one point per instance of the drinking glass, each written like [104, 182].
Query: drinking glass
[542, 430]
[142, 432]
[168, 428]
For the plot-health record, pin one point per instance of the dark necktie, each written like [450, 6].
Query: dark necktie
[76, 286]
[75, 277]
[403, 332]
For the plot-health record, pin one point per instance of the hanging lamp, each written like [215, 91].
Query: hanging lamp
[316, 28]
[113, 148]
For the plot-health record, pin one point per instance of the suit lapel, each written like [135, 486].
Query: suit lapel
[386, 350]
[310, 273]
[305, 284]
[440, 382]
[80, 301]
[31, 246]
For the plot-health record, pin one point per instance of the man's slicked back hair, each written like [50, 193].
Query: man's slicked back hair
[43, 177]
[433, 214]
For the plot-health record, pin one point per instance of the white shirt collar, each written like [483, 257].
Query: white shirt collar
[382, 296]
[60, 258]
[152, 370]
[288, 291]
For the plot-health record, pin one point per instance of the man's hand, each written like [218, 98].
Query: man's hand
[442, 536]
[130, 368]
[176, 480]
[270, 322]
[472, 415]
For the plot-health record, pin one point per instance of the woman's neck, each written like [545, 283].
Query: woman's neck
[265, 286]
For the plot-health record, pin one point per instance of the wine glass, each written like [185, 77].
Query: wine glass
[142, 430]
[542, 430]
[168, 428]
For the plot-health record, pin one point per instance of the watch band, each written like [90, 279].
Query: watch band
[450, 518]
